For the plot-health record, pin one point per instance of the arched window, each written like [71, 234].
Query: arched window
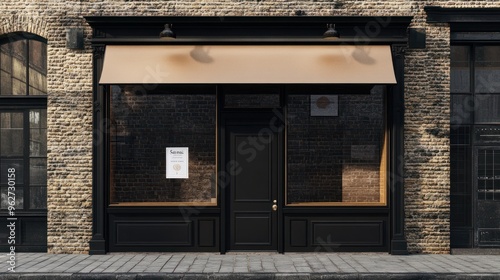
[23, 65]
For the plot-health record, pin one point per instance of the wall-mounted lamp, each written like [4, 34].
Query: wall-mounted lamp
[74, 38]
[331, 33]
[416, 38]
[167, 33]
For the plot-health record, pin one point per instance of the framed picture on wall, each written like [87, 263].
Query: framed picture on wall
[324, 105]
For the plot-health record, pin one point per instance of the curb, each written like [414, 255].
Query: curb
[247, 276]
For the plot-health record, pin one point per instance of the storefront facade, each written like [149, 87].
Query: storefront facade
[270, 166]
[250, 131]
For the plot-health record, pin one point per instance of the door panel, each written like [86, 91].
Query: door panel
[252, 151]
[246, 223]
[252, 161]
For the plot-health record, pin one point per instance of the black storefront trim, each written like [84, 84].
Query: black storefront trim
[253, 28]
[396, 118]
[436, 14]
[248, 30]
[465, 20]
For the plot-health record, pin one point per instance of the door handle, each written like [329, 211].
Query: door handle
[275, 207]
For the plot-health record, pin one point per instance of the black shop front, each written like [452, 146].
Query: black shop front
[248, 134]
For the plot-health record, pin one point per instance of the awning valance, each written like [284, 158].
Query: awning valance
[244, 64]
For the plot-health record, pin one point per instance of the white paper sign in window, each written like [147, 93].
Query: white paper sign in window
[177, 163]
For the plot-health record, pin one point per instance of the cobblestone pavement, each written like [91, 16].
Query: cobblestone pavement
[251, 266]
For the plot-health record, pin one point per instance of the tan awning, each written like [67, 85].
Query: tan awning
[241, 64]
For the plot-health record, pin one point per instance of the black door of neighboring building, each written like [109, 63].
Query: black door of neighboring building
[252, 146]
[487, 181]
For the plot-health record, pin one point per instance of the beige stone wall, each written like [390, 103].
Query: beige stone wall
[70, 102]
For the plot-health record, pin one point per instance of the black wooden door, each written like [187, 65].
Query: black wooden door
[252, 156]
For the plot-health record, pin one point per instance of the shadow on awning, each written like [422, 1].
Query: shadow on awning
[243, 64]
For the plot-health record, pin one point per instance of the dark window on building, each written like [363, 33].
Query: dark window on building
[475, 116]
[23, 138]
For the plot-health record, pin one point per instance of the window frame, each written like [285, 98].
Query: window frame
[472, 82]
[179, 90]
[383, 167]
[24, 104]
[19, 36]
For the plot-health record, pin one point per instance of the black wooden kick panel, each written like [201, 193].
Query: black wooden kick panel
[329, 234]
[30, 234]
[156, 233]
[163, 233]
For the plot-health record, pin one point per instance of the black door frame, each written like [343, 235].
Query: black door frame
[232, 117]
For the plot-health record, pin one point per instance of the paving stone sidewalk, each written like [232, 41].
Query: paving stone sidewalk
[251, 266]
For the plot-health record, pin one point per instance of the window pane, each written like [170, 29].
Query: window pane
[251, 96]
[18, 197]
[38, 56]
[38, 198]
[11, 134]
[462, 107]
[252, 100]
[18, 50]
[487, 108]
[38, 142]
[19, 69]
[5, 83]
[38, 171]
[38, 133]
[38, 83]
[19, 65]
[337, 158]
[5, 70]
[18, 87]
[487, 69]
[38, 118]
[142, 127]
[6, 164]
[5, 58]
[38, 68]
[460, 69]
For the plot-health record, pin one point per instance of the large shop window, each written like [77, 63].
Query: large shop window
[337, 149]
[143, 125]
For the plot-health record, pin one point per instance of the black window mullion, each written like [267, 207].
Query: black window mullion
[27, 54]
[26, 158]
[472, 61]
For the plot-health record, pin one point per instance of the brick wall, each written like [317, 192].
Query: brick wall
[70, 103]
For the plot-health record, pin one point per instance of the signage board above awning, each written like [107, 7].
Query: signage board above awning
[248, 64]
